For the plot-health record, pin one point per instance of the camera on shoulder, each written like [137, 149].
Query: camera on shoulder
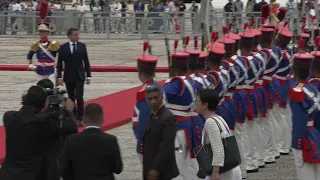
[56, 100]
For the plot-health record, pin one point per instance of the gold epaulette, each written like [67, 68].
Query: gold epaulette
[54, 46]
[34, 46]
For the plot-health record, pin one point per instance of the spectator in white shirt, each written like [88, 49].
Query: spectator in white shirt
[116, 14]
[15, 8]
[82, 15]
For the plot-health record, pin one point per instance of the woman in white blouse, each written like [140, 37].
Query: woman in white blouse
[207, 102]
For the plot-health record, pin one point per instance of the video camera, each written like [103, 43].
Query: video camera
[56, 102]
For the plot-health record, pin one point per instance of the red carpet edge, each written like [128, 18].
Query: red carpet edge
[117, 107]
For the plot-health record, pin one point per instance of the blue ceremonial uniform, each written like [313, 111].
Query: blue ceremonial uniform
[305, 106]
[280, 81]
[239, 95]
[316, 83]
[142, 111]
[180, 93]
[261, 96]
[141, 115]
[275, 56]
[252, 100]
[228, 109]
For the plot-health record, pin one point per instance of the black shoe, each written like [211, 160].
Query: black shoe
[263, 166]
[277, 157]
[201, 175]
[253, 171]
[285, 153]
[270, 162]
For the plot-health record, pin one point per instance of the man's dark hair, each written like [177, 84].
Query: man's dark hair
[46, 84]
[35, 97]
[211, 97]
[70, 30]
[154, 88]
[93, 114]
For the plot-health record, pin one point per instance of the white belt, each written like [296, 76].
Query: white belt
[228, 94]
[45, 64]
[280, 77]
[249, 87]
[240, 87]
[260, 82]
[283, 69]
[178, 107]
[310, 123]
[135, 119]
[267, 78]
[180, 113]
[249, 81]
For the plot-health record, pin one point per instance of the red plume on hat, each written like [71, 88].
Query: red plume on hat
[43, 10]
[230, 27]
[213, 36]
[282, 13]
[304, 19]
[303, 27]
[176, 42]
[265, 11]
[301, 44]
[263, 19]
[145, 47]
[245, 25]
[224, 30]
[317, 42]
[187, 40]
[252, 22]
[195, 44]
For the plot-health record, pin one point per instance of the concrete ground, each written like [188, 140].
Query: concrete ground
[14, 84]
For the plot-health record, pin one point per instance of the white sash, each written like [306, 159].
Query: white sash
[46, 51]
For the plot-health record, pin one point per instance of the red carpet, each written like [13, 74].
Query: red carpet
[118, 109]
[23, 67]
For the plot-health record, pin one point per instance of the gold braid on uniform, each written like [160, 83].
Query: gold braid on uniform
[34, 46]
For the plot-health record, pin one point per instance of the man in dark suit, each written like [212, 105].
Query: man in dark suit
[91, 154]
[138, 8]
[31, 133]
[159, 162]
[74, 55]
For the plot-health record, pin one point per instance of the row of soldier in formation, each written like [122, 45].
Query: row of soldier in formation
[269, 97]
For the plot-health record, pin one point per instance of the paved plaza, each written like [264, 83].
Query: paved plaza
[107, 52]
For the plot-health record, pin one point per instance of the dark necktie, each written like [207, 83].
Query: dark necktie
[74, 48]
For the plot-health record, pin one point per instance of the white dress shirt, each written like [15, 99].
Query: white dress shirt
[71, 46]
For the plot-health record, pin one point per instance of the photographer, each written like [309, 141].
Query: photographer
[32, 136]
[50, 163]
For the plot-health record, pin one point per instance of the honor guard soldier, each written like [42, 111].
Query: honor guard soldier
[146, 65]
[305, 106]
[46, 52]
[239, 97]
[274, 57]
[180, 96]
[44, 49]
[261, 58]
[281, 85]
[316, 76]
[228, 109]
[251, 157]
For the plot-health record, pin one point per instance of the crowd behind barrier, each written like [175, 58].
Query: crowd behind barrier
[25, 22]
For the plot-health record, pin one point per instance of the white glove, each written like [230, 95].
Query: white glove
[32, 67]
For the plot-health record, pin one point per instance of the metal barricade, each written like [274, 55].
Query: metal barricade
[111, 25]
